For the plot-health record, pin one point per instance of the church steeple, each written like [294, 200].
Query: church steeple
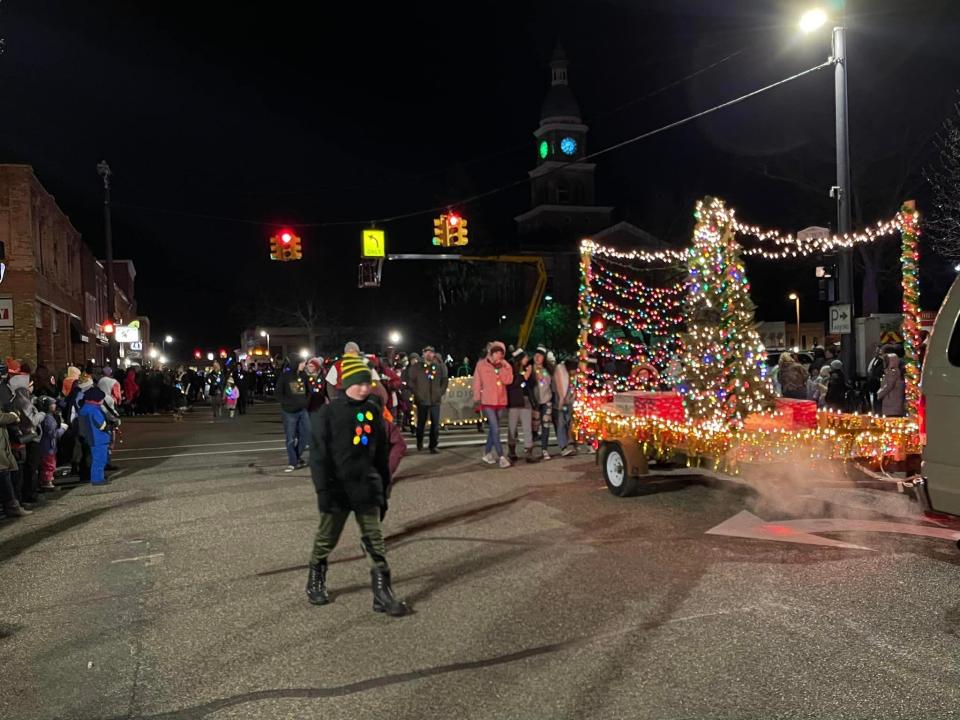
[558, 66]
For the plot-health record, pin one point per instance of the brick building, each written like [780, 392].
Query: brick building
[53, 297]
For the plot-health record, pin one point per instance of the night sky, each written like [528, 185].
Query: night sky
[224, 120]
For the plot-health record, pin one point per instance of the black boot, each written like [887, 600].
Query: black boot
[317, 584]
[383, 597]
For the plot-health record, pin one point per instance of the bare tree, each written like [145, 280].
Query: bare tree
[943, 225]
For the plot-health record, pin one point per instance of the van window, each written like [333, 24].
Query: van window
[953, 349]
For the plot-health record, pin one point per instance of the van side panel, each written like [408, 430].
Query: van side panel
[940, 385]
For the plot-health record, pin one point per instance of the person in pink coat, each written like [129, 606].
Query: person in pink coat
[491, 377]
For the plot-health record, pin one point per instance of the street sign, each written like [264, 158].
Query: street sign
[6, 312]
[374, 243]
[127, 334]
[841, 319]
[136, 346]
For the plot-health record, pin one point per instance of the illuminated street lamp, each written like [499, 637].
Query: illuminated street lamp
[395, 337]
[813, 20]
[265, 334]
[167, 339]
[304, 354]
[210, 356]
[153, 353]
[796, 299]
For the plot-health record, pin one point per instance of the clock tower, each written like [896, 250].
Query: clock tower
[562, 183]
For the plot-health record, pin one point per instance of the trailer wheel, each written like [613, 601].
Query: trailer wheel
[616, 471]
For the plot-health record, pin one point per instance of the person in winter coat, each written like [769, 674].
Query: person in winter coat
[292, 394]
[216, 383]
[112, 392]
[30, 421]
[73, 374]
[563, 391]
[543, 395]
[836, 397]
[131, 390]
[44, 383]
[819, 386]
[428, 382]
[8, 466]
[93, 430]
[230, 396]
[491, 377]
[316, 385]
[792, 378]
[520, 402]
[53, 429]
[892, 393]
[350, 471]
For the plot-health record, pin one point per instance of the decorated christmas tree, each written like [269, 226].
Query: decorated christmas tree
[723, 360]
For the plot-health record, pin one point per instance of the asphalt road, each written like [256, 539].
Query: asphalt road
[177, 592]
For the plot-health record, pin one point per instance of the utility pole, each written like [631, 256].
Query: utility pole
[104, 171]
[842, 192]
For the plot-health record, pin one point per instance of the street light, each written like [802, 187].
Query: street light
[304, 354]
[265, 334]
[796, 299]
[166, 339]
[210, 356]
[395, 337]
[153, 353]
[812, 20]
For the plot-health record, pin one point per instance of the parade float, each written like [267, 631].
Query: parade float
[672, 369]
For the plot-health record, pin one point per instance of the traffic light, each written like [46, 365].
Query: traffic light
[285, 246]
[458, 230]
[197, 354]
[449, 229]
[108, 327]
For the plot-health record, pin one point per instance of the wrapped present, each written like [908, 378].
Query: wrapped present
[801, 414]
[666, 405]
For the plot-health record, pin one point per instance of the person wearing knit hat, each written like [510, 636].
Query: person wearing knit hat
[316, 386]
[13, 366]
[491, 377]
[30, 421]
[428, 381]
[334, 389]
[349, 464]
[94, 433]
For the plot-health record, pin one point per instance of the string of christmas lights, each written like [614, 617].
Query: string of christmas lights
[909, 220]
[723, 360]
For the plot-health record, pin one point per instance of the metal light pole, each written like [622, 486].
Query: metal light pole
[848, 341]
[104, 171]
[796, 299]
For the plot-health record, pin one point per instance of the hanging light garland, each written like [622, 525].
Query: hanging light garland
[909, 220]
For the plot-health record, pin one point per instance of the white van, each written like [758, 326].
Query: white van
[939, 488]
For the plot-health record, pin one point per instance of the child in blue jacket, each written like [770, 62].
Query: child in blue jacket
[93, 431]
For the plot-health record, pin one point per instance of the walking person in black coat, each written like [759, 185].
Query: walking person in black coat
[350, 468]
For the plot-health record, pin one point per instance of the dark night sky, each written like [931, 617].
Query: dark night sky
[314, 113]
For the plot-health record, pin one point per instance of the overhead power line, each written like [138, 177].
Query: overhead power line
[516, 183]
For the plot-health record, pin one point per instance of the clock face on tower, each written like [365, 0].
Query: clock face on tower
[568, 146]
[544, 149]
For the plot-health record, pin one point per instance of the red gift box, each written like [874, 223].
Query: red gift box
[666, 405]
[802, 414]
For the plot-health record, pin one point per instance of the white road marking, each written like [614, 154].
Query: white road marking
[197, 454]
[177, 447]
[149, 558]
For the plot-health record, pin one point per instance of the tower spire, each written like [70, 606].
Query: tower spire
[558, 66]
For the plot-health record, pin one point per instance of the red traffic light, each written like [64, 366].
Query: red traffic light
[223, 353]
[108, 327]
[197, 354]
[453, 219]
[285, 237]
